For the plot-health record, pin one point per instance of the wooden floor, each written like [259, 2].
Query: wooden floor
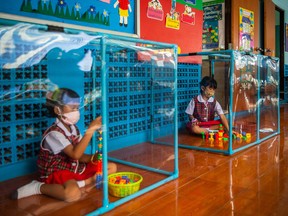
[251, 182]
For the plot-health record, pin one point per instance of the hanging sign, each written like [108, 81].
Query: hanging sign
[188, 16]
[155, 10]
[173, 18]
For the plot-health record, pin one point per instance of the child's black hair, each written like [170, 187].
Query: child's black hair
[60, 97]
[208, 81]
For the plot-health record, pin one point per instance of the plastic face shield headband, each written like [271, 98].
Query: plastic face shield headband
[66, 100]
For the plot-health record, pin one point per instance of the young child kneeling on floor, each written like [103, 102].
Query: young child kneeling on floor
[202, 108]
[63, 166]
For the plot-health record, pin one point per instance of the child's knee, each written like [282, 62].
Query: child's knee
[112, 168]
[72, 194]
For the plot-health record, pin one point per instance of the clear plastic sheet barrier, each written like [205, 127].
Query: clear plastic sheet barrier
[130, 82]
[248, 91]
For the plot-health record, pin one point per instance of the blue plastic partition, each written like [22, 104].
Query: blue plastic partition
[253, 99]
[131, 83]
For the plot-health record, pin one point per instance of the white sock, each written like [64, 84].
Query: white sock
[30, 189]
[81, 183]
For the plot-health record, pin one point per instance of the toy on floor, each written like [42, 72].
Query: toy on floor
[243, 136]
[122, 184]
[218, 135]
[123, 179]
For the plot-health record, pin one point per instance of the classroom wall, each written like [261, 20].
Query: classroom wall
[188, 37]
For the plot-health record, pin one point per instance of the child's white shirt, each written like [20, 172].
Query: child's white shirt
[191, 106]
[56, 141]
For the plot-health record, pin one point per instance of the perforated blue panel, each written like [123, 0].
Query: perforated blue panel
[286, 89]
[23, 121]
[286, 70]
[22, 117]
[132, 86]
[189, 76]
[286, 83]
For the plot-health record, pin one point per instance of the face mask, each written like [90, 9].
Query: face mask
[208, 93]
[71, 118]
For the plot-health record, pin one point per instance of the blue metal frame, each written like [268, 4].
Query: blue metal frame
[229, 56]
[106, 205]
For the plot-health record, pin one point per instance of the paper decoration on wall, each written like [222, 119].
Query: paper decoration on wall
[173, 18]
[62, 9]
[210, 35]
[188, 16]
[212, 16]
[190, 3]
[246, 37]
[106, 1]
[154, 10]
[196, 4]
[124, 6]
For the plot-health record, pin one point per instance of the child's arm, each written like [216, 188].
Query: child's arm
[77, 152]
[193, 120]
[86, 158]
[191, 117]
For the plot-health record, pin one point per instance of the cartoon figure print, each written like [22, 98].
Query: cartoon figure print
[173, 14]
[155, 4]
[188, 11]
[124, 5]
[188, 16]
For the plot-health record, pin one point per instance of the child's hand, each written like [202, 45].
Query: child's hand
[95, 124]
[194, 122]
[94, 157]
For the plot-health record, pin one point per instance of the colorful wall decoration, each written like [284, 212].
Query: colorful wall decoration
[246, 33]
[175, 21]
[113, 15]
[188, 16]
[155, 10]
[213, 36]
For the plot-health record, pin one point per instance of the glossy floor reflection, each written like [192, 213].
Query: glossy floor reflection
[252, 182]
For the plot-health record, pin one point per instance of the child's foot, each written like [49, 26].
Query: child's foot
[30, 189]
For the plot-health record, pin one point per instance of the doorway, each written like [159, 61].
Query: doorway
[279, 47]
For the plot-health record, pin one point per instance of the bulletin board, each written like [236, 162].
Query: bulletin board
[80, 14]
[213, 25]
[178, 22]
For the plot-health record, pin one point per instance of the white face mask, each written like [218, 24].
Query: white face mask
[71, 118]
[208, 93]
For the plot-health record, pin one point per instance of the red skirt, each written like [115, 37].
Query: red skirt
[61, 176]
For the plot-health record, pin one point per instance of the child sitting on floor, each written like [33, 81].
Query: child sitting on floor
[63, 166]
[202, 108]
